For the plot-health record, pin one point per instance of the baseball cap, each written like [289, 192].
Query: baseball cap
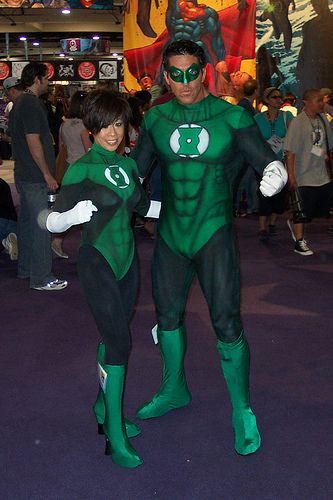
[10, 82]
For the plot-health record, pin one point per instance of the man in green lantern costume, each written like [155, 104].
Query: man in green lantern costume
[200, 142]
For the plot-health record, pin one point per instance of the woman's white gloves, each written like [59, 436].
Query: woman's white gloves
[82, 212]
[274, 178]
[154, 209]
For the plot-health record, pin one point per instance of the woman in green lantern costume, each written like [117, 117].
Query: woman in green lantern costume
[200, 142]
[104, 189]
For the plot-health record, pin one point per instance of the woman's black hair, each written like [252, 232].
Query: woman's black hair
[76, 104]
[289, 97]
[101, 108]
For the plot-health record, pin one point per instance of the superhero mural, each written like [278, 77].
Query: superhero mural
[225, 30]
[295, 44]
[57, 4]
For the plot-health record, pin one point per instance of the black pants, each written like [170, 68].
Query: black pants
[111, 302]
[217, 267]
[317, 200]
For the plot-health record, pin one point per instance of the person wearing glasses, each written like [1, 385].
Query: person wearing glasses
[273, 125]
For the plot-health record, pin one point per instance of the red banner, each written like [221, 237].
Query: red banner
[226, 32]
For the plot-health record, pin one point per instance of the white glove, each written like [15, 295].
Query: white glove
[274, 178]
[60, 222]
[154, 209]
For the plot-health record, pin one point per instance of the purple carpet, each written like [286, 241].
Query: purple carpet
[49, 445]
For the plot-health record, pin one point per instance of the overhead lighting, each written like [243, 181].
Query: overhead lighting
[36, 44]
[66, 11]
[115, 54]
[23, 38]
[96, 37]
[61, 54]
[120, 58]
[70, 59]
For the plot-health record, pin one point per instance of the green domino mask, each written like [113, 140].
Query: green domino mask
[179, 76]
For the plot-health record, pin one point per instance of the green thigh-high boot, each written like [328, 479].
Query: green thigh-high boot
[173, 392]
[117, 442]
[132, 429]
[235, 362]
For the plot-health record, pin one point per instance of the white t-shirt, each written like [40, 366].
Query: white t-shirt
[303, 134]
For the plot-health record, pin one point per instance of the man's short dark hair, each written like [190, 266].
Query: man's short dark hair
[290, 98]
[310, 94]
[144, 96]
[30, 71]
[249, 87]
[101, 108]
[181, 48]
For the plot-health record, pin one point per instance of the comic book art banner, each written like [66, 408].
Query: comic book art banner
[77, 46]
[225, 29]
[58, 4]
[69, 70]
[295, 44]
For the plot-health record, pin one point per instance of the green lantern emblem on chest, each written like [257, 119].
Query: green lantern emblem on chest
[189, 140]
[117, 176]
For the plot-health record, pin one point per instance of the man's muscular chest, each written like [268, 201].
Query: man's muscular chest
[204, 143]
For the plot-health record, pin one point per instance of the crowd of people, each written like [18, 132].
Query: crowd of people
[209, 152]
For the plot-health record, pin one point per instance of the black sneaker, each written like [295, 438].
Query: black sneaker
[302, 248]
[272, 229]
[263, 235]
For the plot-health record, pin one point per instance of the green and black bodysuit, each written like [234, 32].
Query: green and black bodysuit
[106, 263]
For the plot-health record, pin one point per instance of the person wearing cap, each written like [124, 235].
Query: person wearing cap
[273, 125]
[13, 89]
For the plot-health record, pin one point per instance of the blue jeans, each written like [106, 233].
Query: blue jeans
[34, 240]
[7, 226]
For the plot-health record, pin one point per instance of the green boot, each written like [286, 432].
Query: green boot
[132, 430]
[173, 392]
[117, 442]
[235, 363]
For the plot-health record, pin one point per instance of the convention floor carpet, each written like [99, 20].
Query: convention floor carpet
[49, 445]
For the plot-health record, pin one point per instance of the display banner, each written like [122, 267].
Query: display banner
[77, 46]
[69, 70]
[225, 29]
[58, 4]
[295, 44]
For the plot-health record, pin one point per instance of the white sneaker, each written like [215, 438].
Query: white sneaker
[302, 248]
[289, 224]
[53, 285]
[10, 245]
